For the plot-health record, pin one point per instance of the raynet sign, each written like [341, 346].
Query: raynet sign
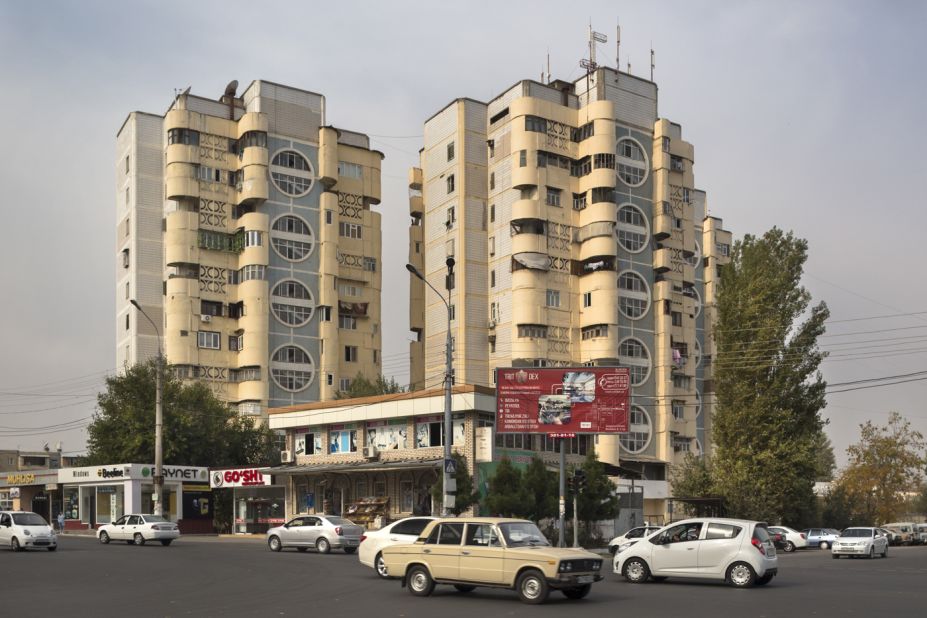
[560, 402]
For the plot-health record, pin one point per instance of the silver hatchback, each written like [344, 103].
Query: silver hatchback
[323, 532]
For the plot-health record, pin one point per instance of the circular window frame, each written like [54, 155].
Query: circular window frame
[698, 302]
[276, 234]
[313, 372]
[698, 404]
[618, 162]
[697, 256]
[312, 300]
[649, 359]
[618, 225]
[649, 433]
[698, 353]
[649, 296]
[271, 168]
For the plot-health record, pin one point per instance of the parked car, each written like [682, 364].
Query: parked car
[403, 531]
[921, 533]
[467, 552]
[136, 529]
[905, 532]
[893, 539]
[634, 534]
[737, 551]
[821, 537]
[323, 532]
[793, 538]
[21, 530]
[860, 541]
[778, 539]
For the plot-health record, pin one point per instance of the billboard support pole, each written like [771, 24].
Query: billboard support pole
[576, 518]
[562, 492]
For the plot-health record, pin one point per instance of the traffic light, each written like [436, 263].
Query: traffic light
[579, 481]
[569, 483]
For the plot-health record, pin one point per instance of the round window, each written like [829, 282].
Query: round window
[292, 238]
[292, 303]
[633, 229]
[640, 430]
[698, 404]
[632, 162]
[632, 353]
[291, 173]
[292, 368]
[634, 297]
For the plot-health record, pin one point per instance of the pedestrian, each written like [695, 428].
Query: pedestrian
[61, 521]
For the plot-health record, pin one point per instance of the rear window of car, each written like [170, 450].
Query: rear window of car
[410, 526]
[722, 531]
[28, 519]
[153, 519]
[339, 521]
[761, 534]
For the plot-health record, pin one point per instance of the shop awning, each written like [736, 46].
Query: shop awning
[367, 466]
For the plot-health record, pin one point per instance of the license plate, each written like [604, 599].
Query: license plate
[350, 542]
[585, 579]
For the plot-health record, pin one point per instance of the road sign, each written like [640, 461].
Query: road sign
[450, 466]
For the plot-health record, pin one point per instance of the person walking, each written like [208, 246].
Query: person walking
[61, 521]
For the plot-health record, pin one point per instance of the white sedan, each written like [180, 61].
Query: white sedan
[402, 531]
[136, 529]
[867, 542]
[793, 538]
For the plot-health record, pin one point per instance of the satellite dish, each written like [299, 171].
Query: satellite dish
[232, 88]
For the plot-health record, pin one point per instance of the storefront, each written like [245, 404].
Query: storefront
[97, 495]
[257, 504]
[33, 490]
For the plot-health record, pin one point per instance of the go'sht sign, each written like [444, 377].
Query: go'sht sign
[239, 477]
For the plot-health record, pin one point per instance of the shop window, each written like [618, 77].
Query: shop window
[308, 444]
[342, 441]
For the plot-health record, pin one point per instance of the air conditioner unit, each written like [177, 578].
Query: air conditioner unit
[286, 456]
[205, 317]
[371, 452]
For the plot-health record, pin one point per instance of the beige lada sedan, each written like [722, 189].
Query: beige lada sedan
[467, 552]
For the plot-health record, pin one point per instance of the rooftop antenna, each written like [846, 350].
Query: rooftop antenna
[590, 64]
[618, 46]
[548, 66]
[653, 62]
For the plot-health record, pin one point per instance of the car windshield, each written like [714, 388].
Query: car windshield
[832, 531]
[857, 532]
[520, 533]
[28, 519]
[153, 519]
[340, 521]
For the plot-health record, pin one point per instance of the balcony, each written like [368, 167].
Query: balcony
[180, 181]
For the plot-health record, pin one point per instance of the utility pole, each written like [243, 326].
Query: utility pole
[158, 493]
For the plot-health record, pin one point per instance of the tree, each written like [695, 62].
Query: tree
[506, 495]
[838, 510]
[465, 494]
[885, 466]
[825, 463]
[693, 479]
[198, 429]
[542, 489]
[362, 387]
[598, 500]
[769, 389]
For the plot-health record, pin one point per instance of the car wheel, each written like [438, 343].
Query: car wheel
[302, 549]
[104, 538]
[14, 545]
[350, 550]
[741, 575]
[323, 545]
[138, 538]
[464, 587]
[885, 551]
[420, 582]
[871, 553]
[578, 592]
[762, 581]
[379, 565]
[166, 542]
[532, 587]
[636, 571]
[789, 547]
[52, 548]
[824, 545]
[274, 543]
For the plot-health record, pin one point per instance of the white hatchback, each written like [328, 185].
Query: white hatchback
[21, 530]
[403, 531]
[137, 529]
[733, 550]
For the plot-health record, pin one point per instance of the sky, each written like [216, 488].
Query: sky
[804, 115]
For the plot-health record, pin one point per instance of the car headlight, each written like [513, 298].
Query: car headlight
[597, 565]
[565, 566]
[624, 546]
[27, 533]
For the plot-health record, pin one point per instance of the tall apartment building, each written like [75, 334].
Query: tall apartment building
[579, 239]
[245, 230]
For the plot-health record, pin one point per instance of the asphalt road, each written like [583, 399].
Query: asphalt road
[232, 577]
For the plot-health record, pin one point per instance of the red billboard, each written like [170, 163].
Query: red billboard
[562, 400]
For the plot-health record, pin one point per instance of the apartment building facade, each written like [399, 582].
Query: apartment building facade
[580, 239]
[245, 231]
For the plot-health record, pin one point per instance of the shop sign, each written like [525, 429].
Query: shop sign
[240, 477]
[20, 479]
[14, 492]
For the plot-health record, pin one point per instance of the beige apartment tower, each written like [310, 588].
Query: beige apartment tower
[580, 239]
[245, 231]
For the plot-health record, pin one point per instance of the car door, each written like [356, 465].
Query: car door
[879, 542]
[676, 550]
[482, 556]
[116, 529]
[289, 532]
[133, 525]
[442, 550]
[6, 527]
[315, 527]
[719, 547]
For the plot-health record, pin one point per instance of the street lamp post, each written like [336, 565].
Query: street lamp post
[159, 472]
[448, 383]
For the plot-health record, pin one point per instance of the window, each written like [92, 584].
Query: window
[683, 533]
[127, 324]
[450, 151]
[208, 340]
[349, 289]
[632, 162]
[325, 313]
[633, 354]
[492, 278]
[350, 170]
[210, 307]
[344, 384]
[722, 531]
[430, 431]
[492, 180]
[127, 164]
[370, 264]
[493, 311]
[685, 195]
[328, 217]
[723, 249]
[450, 183]
[522, 158]
[480, 535]
[634, 300]
[533, 331]
[535, 124]
[349, 230]
[292, 238]
[666, 144]
[292, 368]
[579, 201]
[257, 139]
[677, 164]
[347, 322]
[344, 441]
[606, 161]
[307, 444]
[350, 353]
[491, 144]
[451, 217]
[236, 343]
[125, 258]
[291, 173]
[127, 289]
[292, 303]
[492, 213]
[582, 133]
[679, 409]
[587, 299]
[633, 228]
[638, 438]
[254, 238]
[595, 331]
[376, 357]
[492, 245]
[553, 298]
[553, 196]
[603, 194]
[186, 137]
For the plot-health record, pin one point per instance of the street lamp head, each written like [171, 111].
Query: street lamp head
[450, 265]
[135, 304]
[414, 271]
